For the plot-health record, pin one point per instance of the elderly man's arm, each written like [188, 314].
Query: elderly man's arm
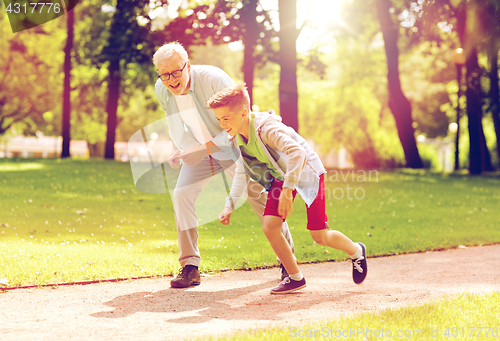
[193, 156]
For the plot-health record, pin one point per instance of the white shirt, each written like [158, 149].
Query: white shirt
[191, 118]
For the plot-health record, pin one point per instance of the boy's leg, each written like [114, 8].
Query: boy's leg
[295, 281]
[272, 230]
[356, 251]
[317, 224]
[257, 201]
[334, 239]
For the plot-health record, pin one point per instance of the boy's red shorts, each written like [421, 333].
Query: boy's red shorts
[316, 213]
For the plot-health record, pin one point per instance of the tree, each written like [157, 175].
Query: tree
[66, 109]
[288, 35]
[494, 92]
[492, 11]
[234, 21]
[398, 103]
[89, 75]
[29, 77]
[128, 42]
[467, 19]
[112, 106]
[479, 156]
[230, 21]
[250, 36]
[347, 110]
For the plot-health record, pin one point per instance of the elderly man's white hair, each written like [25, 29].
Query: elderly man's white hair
[168, 50]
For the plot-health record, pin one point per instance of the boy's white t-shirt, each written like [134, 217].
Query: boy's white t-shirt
[191, 117]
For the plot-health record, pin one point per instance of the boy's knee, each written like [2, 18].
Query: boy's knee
[318, 236]
[267, 229]
[271, 228]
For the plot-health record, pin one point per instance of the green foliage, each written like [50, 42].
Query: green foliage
[425, 72]
[142, 109]
[218, 55]
[350, 109]
[29, 76]
[489, 132]
[429, 156]
[37, 57]
[221, 22]
[137, 104]
[265, 93]
[129, 38]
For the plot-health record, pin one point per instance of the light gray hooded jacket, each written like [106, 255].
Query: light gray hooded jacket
[291, 155]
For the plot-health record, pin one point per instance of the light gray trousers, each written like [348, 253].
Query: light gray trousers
[189, 185]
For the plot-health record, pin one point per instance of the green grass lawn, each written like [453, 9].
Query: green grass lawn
[468, 316]
[78, 220]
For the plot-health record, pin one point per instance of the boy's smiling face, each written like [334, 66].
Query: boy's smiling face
[233, 120]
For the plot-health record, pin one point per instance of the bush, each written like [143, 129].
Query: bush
[429, 155]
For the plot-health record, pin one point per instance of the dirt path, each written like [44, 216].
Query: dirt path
[240, 300]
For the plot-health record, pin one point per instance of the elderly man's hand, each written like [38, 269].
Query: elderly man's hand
[194, 155]
[174, 161]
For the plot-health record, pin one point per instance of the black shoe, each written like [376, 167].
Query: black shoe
[359, 267]
[288, 285]
[189, 276]
[284, 273]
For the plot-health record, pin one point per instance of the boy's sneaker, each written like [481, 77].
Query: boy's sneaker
[189, 276]
[288, 285]
[284, 273]
[359, 267]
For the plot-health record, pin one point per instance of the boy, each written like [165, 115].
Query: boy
[274, 155]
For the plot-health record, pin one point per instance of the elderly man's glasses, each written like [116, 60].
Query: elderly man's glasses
[175, 74]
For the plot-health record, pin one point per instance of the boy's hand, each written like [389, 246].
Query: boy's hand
[174, 161]
[285, 206]
[225, 216]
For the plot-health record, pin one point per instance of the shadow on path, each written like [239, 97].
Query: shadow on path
[192, 306]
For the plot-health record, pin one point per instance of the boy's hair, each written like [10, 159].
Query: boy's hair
[232, 96]
[168, 49]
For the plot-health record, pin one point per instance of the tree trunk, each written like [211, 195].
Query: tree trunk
[248, 70]
[288, 34]
[250, 41]
[66, 109]
[474, 111]
[485, 152]
[495, 92]
[398, 103]
[112, 106]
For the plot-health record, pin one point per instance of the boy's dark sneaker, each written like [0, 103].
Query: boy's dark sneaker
[284, 273]
[288, 285]
[359, 267]
[189, 276]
